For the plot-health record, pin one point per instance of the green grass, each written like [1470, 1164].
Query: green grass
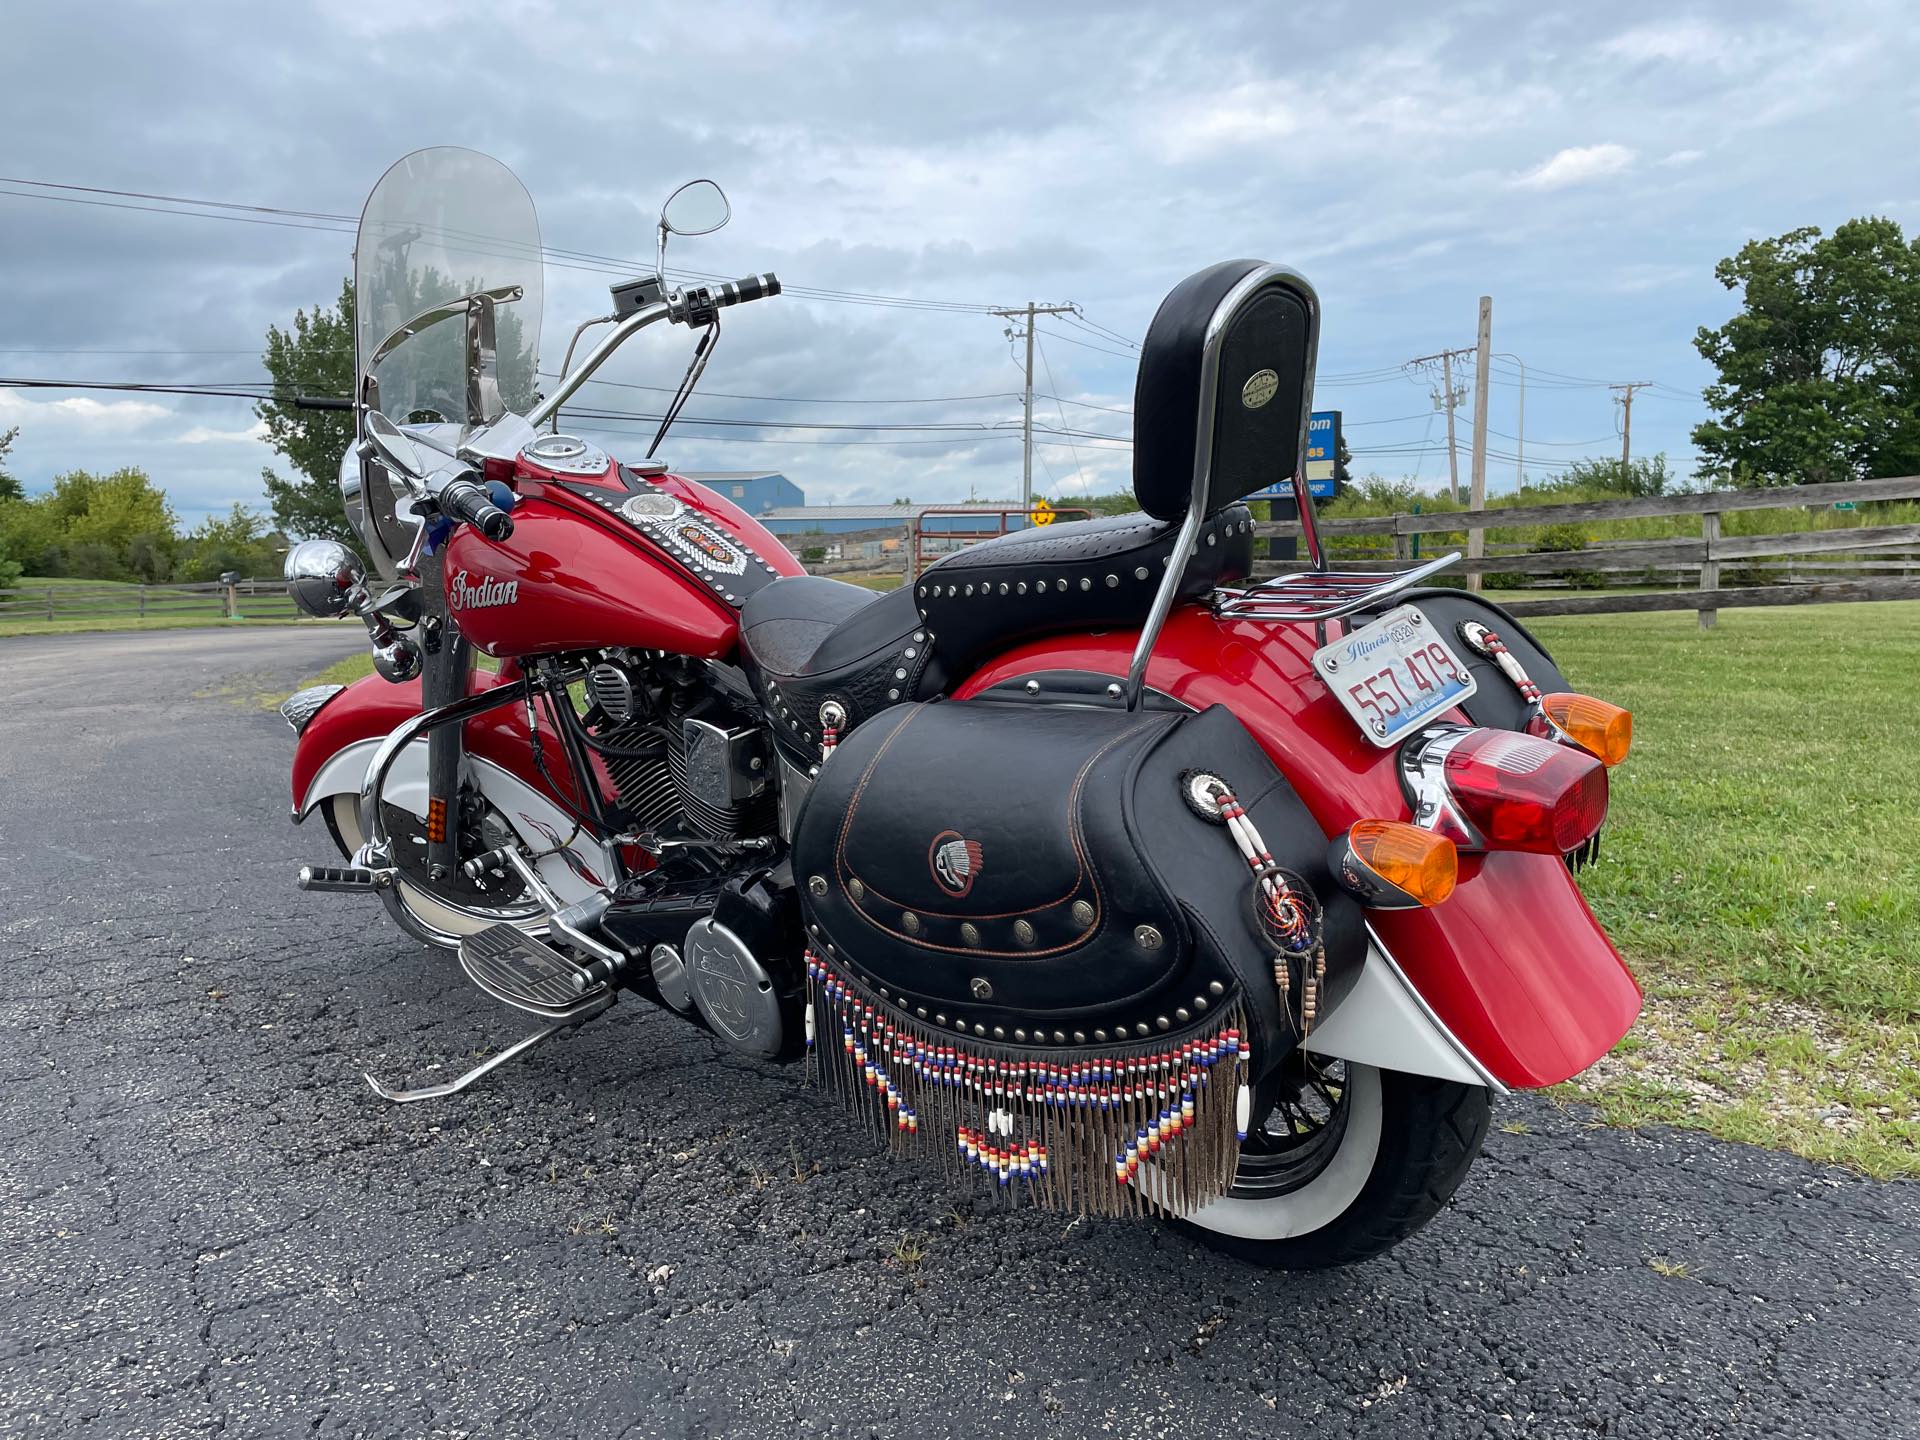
[1761, 872]
[115, 605]
[94, 624]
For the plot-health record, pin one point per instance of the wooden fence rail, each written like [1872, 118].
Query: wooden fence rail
[1866, 546]
[209, 597]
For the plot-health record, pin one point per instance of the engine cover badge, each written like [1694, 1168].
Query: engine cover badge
[731, 988]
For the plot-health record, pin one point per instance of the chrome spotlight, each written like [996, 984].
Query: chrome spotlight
[325, 578]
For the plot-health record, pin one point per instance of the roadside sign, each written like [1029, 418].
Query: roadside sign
[1843, 504]
[1323, 452]
[1042, 512]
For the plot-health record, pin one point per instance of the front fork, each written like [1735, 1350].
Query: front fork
[446, 675]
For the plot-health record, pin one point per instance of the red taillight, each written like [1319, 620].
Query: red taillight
[1522, 793]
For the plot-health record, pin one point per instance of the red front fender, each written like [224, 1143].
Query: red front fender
[372, 708]
[1514, 964]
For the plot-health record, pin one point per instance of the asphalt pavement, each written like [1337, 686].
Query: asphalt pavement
[208, 1224]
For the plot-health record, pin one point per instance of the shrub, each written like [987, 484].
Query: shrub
[1552, 539]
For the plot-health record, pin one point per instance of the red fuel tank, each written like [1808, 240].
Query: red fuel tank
[655, 562]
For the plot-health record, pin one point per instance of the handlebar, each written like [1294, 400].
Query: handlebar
[464, 500]
[696, 304]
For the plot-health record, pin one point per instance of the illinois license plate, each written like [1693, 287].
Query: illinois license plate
[1394, 675]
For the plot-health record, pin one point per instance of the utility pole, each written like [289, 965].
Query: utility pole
[1026, 429]
[1626, 423]
[1476, 537]
[1449, 398]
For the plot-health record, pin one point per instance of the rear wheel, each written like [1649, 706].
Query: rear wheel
[439, 912]
[1351, 1162]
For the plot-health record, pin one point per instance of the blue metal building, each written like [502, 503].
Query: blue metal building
[754, 491]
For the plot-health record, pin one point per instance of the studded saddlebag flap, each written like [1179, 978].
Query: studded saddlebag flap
[1025, 884]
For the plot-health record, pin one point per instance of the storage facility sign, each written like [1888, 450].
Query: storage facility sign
[1323, 456]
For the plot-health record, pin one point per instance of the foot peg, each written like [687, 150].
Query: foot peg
[529, 975]
[342, 878]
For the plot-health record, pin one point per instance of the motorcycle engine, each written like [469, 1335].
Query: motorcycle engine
[681, 755]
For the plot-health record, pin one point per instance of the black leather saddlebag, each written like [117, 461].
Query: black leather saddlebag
[1027, 886]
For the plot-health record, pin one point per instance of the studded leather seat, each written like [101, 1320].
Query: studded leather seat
[807, 640]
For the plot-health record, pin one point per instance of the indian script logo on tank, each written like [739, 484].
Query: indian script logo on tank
[465, 594]
[956, 861]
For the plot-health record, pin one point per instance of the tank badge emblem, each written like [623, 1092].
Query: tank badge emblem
[956, 862]
[482, 594]
[1261, 387]
[649, 505]
[705, 546]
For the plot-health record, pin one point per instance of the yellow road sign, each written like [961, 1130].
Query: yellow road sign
[1042, 513]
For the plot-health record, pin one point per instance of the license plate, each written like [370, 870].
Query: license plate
[1394, 675]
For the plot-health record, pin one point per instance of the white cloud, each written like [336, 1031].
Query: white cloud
[1249, 114]
[1684, 157]
[79, 411]
[207, 435]
[1576, 166]
[1672, 40]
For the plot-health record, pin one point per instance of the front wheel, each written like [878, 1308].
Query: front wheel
[1352, 1161]
[438, 914]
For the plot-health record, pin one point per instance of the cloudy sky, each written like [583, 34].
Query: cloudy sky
[1584, 165]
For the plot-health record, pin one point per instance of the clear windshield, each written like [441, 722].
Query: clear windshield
[442, 224]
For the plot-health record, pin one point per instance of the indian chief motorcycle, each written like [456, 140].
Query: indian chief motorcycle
[1083, 866]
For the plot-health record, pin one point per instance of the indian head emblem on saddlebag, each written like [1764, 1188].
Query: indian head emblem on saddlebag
[956, 862]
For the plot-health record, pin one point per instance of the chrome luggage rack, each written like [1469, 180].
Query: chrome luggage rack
[1314, 595]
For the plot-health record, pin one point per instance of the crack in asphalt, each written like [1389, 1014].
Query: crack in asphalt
[208, 1225]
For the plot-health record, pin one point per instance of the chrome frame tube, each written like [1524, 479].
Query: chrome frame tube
[379, 844]
[1320, 594]
[564, 390]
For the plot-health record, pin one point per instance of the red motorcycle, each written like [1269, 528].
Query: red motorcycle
[1082, 864]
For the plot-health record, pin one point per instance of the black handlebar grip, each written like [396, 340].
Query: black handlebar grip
[321, 402]
[751, 287]
[464, 500]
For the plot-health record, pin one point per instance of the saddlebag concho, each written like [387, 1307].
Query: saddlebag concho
[1035, 952]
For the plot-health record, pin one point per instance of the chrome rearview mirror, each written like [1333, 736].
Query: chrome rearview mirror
[698, 207]
[395, 448]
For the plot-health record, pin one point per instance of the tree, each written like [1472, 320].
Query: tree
[1820, 370]
[1342, 460]
[238, 540]
[314, 357]
[10, 488]
[1644, 475]
[103, 527]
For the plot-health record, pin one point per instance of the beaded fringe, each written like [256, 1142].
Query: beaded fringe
[1130, 1130]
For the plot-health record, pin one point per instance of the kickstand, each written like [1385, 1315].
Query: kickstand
[492, 1062]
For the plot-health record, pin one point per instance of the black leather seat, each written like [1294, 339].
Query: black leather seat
[807, 639]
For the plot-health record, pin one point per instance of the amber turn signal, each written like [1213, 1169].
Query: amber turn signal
[1390, 865]
[1602, 730]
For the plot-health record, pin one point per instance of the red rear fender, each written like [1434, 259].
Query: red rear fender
[1514, 964]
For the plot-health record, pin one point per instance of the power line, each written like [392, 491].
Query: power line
[1087, 345]
[347, 224]
[1078, 469]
